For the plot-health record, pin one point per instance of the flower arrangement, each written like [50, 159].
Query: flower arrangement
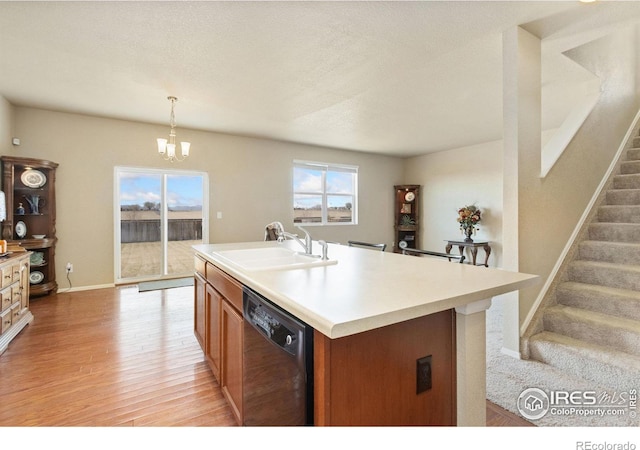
[468, 218]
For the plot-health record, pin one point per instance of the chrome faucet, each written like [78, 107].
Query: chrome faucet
[307, 244]
[325, 249]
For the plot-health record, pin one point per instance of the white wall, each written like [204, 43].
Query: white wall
[456, 178]
[549, 208]
[250, 183]
[6, 121]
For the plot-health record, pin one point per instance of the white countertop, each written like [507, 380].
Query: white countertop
[367, 289]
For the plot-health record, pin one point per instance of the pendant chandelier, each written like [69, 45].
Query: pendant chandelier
[167, 148]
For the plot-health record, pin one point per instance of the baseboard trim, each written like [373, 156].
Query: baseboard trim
[86, 288]
[511, 353]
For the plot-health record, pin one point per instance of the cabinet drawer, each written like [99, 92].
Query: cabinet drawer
[5, 321]
[200, 266]
[7, 298]
[16, 293]
[227, 286]
[16, 313]
[7, 276]
[15, 270]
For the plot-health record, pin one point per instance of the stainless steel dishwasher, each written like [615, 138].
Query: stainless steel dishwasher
[277, 365]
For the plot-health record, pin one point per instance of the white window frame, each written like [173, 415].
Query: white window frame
[119, 171]
[324, 168]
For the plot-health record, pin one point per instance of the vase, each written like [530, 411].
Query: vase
[34, 203]
[468, 231]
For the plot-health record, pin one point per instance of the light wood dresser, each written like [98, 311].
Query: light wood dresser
[14, 292]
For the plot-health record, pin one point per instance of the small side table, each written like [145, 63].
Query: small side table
[474, 246]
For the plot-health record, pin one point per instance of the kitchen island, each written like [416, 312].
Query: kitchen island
[380, 319]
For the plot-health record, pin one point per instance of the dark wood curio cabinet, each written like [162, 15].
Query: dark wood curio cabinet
[406, 221]
[29, 187]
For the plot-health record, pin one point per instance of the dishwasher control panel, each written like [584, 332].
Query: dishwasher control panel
[267, 320]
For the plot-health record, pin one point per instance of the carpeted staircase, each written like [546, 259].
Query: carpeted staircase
[592, 329]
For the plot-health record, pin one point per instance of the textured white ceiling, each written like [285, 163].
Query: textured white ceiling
[400, 78]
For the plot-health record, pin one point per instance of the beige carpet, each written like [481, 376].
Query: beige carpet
[507, 377]
[586, 335]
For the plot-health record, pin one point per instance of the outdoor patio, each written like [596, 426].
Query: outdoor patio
[144, 259]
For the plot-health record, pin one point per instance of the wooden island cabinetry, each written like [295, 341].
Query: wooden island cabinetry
[385, 352]
[382, 377]
[14, 291]
[369, 378]
[218, 325]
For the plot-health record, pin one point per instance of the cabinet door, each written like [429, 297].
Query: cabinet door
[16, 294]
[213, 307]
[5, 320]
[24, 283]
[15, 269]
[7, 298]
[7, 276]
[232, 338]
[199, 316]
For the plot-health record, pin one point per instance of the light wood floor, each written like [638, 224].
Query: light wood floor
[117, 357]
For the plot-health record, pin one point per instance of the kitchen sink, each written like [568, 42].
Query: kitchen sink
[272, 258]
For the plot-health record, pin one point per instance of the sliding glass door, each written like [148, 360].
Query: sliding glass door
[159, 214]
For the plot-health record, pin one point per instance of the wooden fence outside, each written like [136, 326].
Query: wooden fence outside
[149, 230]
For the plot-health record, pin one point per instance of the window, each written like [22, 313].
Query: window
[159, 215]
[324, 194]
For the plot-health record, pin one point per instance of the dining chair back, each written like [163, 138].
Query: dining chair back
[418, 252]
[380, 247]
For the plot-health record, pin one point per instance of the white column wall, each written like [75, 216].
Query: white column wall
[522, 143]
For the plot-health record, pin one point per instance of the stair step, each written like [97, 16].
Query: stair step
[619, 213]
[628, 181]
[601, 299]
[612, 252]
[604, 330]
[627, 167]
[633, 153]
[620, 276]
[593, 332]
[603, 366]
[623, 197]
[614, 232]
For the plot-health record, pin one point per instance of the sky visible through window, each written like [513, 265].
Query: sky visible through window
[182, 190]
[309, 181]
